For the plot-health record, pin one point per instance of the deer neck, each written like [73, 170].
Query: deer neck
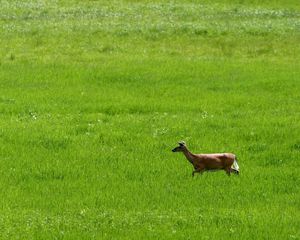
[189, 156]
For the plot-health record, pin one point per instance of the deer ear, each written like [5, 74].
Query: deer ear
[181, 143]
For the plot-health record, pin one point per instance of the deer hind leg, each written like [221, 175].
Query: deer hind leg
[228, 170]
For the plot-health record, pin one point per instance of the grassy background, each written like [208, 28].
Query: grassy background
[95, 94]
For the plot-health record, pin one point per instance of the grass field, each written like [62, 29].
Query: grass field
[95, 94]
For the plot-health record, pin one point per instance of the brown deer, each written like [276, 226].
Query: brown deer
[209, 162]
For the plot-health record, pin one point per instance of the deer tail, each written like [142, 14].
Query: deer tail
[235, 165]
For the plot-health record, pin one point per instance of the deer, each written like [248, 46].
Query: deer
[209, 162]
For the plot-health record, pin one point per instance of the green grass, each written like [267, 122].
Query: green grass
[95, 94]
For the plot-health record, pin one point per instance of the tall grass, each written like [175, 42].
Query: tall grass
[95, 94]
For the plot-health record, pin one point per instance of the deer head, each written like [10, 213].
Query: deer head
[180, 148]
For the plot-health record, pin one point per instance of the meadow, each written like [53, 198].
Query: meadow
[95, 94]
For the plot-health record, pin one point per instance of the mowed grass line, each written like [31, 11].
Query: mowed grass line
[87, 126]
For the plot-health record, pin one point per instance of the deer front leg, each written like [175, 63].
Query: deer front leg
[198, 170]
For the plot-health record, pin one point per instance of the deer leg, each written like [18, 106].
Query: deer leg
[228, 170]
[197, 170]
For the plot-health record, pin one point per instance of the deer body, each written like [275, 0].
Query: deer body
[209, 162]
